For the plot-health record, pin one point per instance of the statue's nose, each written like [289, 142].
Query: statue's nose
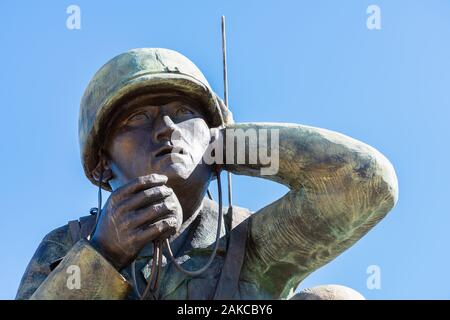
[163, 128]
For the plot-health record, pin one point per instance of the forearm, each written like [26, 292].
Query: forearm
[83, 274]
[307, 156]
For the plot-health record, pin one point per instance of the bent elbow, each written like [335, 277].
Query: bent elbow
[387, 174]
[383, 183]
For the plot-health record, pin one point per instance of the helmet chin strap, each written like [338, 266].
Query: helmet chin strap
[99, 204]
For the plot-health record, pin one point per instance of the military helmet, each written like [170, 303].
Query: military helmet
[136, 72]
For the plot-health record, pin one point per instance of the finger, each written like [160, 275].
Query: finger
[139, 184]
[144, 198]
[166, 227]
[149, 215]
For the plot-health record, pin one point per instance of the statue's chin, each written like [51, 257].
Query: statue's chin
[188, 178]
[179, 167]
[179, 171]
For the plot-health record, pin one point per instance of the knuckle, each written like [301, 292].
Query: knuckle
[171, 224]
[160, 226]
[144, 179]
[165, 190]
[172, 205]
[152, 177]
[140, 180]
[149, 193]
[160, 207]
[165, 223]
[167, 204]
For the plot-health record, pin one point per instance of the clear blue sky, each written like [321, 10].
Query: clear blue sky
[308, 62]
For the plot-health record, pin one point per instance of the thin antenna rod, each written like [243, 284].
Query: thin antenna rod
[225, 95]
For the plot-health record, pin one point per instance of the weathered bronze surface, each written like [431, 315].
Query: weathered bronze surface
[134, 106]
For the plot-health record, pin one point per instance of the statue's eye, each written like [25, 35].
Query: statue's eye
[182, 110]
[138, 118]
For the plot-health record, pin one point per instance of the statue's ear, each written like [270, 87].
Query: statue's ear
[103, 168]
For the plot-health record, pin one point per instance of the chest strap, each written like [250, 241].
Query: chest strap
[80, 229]
[228, 284]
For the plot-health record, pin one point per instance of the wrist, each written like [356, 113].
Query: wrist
[97, 246]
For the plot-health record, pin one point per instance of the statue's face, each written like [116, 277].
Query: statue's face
[164, 134]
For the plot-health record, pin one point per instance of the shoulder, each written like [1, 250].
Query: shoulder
[211, 208]
[58, 236]
[206, 225]
[71, 232]
[58, 241]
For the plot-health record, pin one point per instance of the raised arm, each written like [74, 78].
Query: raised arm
[339, 189]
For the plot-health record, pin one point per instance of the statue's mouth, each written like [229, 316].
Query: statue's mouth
[167, 149]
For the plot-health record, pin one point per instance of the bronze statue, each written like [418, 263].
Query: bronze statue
[144, 109]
